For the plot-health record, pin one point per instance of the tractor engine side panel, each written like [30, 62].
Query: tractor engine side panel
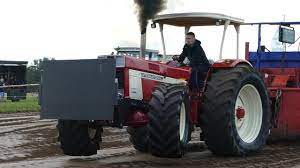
[141, 84]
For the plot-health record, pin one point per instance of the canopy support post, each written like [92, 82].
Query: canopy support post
[161, 29]
[237, 29]
[186, 30]
[227, 22]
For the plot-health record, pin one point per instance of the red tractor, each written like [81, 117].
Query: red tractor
[235, 110]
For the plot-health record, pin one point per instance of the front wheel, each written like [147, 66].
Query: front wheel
[139, 138]
[235, 117]
[77, 139]
[169, 120]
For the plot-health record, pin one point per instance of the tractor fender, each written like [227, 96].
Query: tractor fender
[230, 63]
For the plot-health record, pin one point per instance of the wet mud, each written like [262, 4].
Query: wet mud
[27, 141]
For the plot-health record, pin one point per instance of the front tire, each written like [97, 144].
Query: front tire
[139, 138]
[169, 120]
[75, 140]
[235, 117]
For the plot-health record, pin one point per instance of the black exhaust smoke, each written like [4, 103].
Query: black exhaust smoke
[146, 10]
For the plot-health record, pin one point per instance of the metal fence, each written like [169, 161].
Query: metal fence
[19, 98]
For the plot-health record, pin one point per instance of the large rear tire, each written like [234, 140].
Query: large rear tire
[169, 120]
[139, 138]
[235, 116]
[74, 137]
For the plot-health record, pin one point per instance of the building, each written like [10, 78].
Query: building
[152, 55]
[13, 73]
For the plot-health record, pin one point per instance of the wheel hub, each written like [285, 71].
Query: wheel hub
[240, 113]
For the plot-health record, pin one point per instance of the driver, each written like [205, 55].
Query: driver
[197, 58]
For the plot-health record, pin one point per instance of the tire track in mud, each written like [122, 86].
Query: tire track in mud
[21, 136]
[69, 161]
[276, 155]
[18, 115]
[23, 127]
[127, 157]
[14, 124]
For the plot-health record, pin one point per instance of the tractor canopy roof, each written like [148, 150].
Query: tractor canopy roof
[196, 19]
[188, 20]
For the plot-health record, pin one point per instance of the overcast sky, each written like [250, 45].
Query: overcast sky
[73, 29]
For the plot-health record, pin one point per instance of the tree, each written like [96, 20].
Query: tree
[34, 71]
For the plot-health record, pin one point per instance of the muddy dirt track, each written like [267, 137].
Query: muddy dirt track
[26, 141]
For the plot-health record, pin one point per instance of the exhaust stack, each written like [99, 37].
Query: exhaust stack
[143, 43]
[146, 10]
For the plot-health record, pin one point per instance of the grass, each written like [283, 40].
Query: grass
[30, 104]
